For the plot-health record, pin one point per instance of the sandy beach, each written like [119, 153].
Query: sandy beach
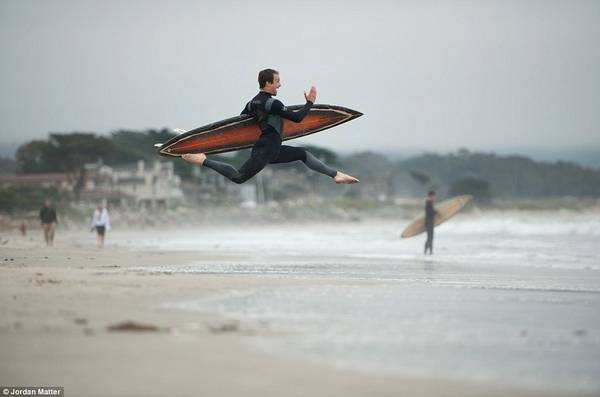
[67, 313]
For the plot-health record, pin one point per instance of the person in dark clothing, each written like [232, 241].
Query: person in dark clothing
[429, 215]
[268, 149]
[48, 220]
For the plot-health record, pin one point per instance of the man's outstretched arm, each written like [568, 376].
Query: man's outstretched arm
[283, 111]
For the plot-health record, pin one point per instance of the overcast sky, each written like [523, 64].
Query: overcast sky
[428, 75]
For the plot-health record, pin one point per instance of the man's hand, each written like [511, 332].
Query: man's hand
[312, 95]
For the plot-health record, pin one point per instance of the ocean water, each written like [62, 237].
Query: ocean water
[510, 299]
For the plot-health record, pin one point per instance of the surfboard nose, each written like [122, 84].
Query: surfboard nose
[353, 113]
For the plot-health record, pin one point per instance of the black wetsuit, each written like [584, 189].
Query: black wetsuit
[269, 113]
[429, 214]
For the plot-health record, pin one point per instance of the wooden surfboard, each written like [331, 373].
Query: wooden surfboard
[445, 210]
[240, 132]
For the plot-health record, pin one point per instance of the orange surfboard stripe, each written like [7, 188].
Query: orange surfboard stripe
[241, 132]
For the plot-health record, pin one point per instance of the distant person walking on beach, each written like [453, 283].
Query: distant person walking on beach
[429, 214]
[48, 220]
[101, 223]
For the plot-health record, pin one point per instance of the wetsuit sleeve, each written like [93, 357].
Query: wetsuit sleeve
[279, 109]
[246, 109]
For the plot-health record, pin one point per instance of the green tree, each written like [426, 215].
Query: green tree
[135, 145]
[73, 151]
[68, 153]
[422, 177]
[7, 166]
[31, 158]
[477, 187]
[8, 200]
[138, 145]
[26, 197]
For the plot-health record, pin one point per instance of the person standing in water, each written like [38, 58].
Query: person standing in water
[429, 215]
[270, 113]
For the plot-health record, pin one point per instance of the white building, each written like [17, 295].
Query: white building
[153, 186]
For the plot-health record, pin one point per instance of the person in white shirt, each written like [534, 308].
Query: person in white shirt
[101, 223]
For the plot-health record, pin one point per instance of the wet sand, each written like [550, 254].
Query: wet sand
[63, 310]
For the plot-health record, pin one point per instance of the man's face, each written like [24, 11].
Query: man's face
[272, 88]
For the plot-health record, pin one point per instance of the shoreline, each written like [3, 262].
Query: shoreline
[58, 306]
[287, 213]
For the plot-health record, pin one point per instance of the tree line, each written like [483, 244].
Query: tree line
[485, 175]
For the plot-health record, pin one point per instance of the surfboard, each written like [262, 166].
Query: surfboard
[240, 132]
[445, 210]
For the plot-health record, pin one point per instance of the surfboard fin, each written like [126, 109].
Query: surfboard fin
[177, 130]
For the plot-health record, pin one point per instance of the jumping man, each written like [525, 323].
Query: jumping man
[269, 113]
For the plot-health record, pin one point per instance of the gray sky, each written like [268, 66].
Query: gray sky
[428, 75]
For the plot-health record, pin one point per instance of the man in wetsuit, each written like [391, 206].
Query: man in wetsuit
[429, 214]
[269, 113]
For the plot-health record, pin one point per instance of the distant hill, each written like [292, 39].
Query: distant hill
[508, 176]
[587, 157]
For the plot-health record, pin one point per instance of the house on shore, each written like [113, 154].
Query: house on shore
[138, 184]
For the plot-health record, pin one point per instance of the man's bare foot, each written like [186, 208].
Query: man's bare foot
[340, 177]
[194, 158]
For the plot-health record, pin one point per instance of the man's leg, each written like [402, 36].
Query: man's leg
[46, 233]
[429, 242]
[51, 229]
[100, 230]
[263, 152]
[287, 154]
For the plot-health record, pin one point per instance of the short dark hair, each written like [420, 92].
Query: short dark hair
[431, 192]
[265, 76]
